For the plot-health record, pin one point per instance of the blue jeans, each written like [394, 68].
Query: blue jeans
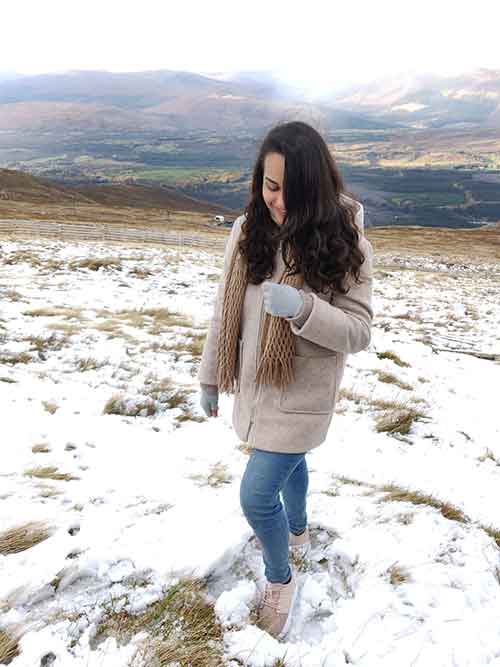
[266, 475]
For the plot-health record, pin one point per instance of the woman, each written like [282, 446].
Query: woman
[294, 300]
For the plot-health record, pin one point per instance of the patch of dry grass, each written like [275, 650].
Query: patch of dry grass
[23, 537]
[398, 494]
[218, 475]
[411, 317]
[119, 404]
[140, 272]
[331, 492]
[40, 448]
[13, 295]
[154, 320]
[9, 646]
[23, 257]
[188, 415]
[42, 343]
[389, 378]
[193, 347]
[56, 311]
[398, 575]
[179, 399]
[96, 263]
[398, 415]
[489, 455]
[398, 420]
[160, 389]
[279, 662]
[395, 493]
[350, 480]
[52, 266]
[49, 472]
[13, 358]
[494, 533]
[65, 327]
[157, 395]
[89, 364]
[182, 628]
[393, 357]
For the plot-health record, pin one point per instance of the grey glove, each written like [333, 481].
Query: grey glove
[209, 399]
[281, 300]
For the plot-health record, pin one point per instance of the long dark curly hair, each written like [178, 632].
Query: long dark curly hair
[319, 229]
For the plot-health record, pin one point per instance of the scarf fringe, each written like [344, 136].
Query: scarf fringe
[276, 355]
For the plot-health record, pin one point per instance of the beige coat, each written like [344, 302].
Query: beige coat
[296, 418]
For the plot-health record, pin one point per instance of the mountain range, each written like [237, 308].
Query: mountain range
[245, 101]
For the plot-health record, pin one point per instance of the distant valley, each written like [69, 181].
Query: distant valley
[416, 153]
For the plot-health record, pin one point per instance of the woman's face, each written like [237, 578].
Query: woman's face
[272, 186]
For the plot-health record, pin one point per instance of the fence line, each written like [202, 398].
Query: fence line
[105, 232]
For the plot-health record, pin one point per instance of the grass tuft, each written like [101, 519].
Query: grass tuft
[389, 378]
[49, 472]
[41, 343]
[182, 628]
[494, 533]
[54, 311]
[96, 263]
[12, 358]
[399, 494]
[393, 357]
[488, 454]
[119, 404]
[397, 420]
[40, 448]
[219, 474]
[89, 364]
[9, 647]
[20, 538]
[398, 575]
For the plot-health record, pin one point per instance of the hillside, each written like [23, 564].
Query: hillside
[20, 187]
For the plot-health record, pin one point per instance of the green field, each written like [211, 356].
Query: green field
[433, 198]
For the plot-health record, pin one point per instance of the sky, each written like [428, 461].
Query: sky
[315, 44]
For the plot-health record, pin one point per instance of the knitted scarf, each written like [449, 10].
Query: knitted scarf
[277, 348]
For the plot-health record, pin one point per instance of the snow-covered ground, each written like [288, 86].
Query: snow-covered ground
[155, 498]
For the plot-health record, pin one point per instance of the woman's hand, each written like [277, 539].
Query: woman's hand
[209, 399]
[281, 300]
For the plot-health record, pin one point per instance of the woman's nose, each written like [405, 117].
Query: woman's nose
[279, 202]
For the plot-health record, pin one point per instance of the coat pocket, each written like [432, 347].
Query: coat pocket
[312, 391]
[239, 365]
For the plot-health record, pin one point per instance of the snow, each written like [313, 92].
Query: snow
[140, 513]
